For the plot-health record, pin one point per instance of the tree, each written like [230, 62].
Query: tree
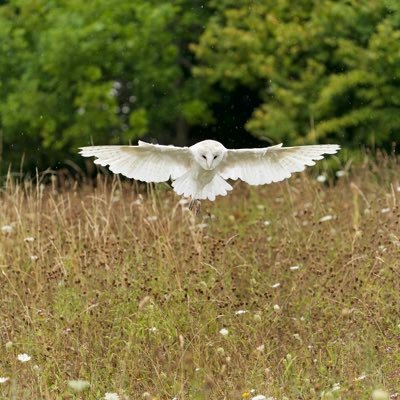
[326, 70]
[103, 71]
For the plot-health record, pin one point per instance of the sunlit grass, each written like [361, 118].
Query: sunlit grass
[286, 291]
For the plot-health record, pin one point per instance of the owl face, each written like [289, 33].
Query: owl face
[209, 155]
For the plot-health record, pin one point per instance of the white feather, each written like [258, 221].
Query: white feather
[200, 171]
[146, 162]
[271, 164]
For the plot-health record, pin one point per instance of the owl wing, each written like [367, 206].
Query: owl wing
[145, 162]
[271, 164]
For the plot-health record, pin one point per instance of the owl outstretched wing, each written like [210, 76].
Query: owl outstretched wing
[271, 164]
[145, 162]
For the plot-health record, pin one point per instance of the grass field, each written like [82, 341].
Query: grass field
[289, 291]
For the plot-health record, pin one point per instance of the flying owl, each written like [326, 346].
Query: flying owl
[201, 171]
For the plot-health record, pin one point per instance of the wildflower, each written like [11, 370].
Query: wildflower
[336, 387]
[321, 178]
[294, 267]
[23, 357]
[267, 222]
[360, 378]
[29, 239]
[224, 332]
[277, 307]
[4, 379]
[245, 395]
[276, 285]
[259, 397]
[201, 226]
[341, 173]
[7, 229]
[240, 312]
[111, 396]
[153, 329]
[33, 258]
[152, 218]
[380, 394]
[326, 218]
[78, 385]
[385, 210]
[261, 348]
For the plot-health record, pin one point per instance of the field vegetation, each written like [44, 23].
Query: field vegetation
[290, 290]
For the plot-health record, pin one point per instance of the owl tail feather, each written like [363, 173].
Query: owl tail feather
[188, 186]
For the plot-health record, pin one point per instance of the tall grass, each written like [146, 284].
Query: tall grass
[122, 286]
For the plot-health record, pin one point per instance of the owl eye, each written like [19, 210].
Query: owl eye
[204, 156]
[215, 157]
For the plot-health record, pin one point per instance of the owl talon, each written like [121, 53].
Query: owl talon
[195, 206]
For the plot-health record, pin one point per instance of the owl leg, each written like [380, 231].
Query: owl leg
[195, 205]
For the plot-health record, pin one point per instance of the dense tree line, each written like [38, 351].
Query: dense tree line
[108, 71]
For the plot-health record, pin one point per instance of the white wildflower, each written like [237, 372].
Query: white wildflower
[224, 332]
[4, 379]
[201, 226]
[277, 307]
[336, 387]
[152, 218]
[261, 348]
[385, 210]
[259, 397]
[380, 394]
[275, 285]
[7, 229]
[240, 312]
[326, 218]
[341, 173]
[29, 239]
[23, 357]
[267, 222]
[294, 267]
[111, 396]
[360, 378]
[78, 385]
[321, 178]
[33, 258]
[153, 329]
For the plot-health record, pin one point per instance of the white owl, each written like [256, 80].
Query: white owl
[201, 171]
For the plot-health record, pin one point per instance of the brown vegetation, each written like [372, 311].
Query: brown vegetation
[130, 291]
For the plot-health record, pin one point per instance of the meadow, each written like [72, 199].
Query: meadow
[290, 290]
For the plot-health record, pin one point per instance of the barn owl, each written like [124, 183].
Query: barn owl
[201, 171]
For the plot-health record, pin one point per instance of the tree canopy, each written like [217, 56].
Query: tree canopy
[106, 71]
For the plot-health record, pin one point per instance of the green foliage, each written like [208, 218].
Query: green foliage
[75, 73]
[325, 70]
